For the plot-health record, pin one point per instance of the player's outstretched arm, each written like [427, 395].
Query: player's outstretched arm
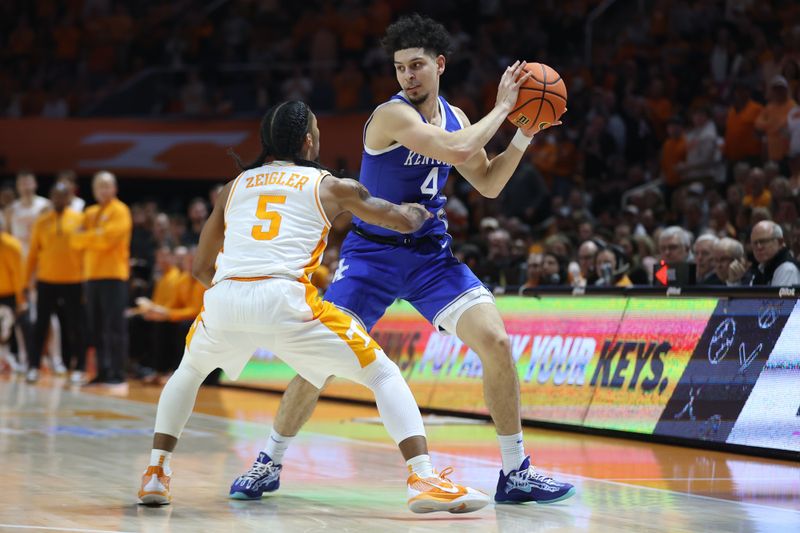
[489, 177]
[349, 195]
[211, 239]
[401, 124]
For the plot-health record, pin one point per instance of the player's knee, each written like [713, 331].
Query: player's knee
[496, 350]
[190, 369]
[499, 344]
[379, 372]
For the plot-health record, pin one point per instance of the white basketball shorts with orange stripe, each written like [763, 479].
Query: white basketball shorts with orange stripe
[287, 318]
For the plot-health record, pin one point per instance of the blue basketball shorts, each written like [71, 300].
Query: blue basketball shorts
[371, 276]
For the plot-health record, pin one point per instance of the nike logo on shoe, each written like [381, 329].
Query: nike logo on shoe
[450, 490]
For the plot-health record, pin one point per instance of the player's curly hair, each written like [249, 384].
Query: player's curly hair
[416, 31]
[283, 132]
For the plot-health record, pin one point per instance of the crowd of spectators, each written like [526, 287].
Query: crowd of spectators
[60, 259]
[681, 143]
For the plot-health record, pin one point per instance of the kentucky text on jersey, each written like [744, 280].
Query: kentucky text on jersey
[418, 159]
[399, 175]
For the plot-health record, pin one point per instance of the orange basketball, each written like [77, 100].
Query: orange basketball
[542, 99]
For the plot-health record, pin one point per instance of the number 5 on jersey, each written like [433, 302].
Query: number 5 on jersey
[274, 218]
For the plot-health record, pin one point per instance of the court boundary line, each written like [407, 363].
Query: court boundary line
[52, 528]
[485, 462]
[697, 479]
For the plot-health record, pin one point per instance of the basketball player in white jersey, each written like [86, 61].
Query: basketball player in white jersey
[410, 145]
[264, 238]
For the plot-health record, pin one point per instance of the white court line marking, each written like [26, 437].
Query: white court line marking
[485, 462]
[701, 479]
[15, 526]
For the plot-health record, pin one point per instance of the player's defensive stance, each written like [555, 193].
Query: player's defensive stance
[264, 238]
[411, 143]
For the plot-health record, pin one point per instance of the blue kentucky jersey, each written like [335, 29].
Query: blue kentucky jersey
[399, 175]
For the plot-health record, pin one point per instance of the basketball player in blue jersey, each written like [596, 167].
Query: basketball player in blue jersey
[410, 144]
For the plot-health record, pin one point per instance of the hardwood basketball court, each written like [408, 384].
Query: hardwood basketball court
[72, 461]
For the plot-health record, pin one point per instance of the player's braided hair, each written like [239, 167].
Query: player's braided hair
[283, 132]
[416, 31]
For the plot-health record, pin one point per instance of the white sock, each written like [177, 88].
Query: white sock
[276, 446]
[513, 451]
[161, 457]
[421, 465]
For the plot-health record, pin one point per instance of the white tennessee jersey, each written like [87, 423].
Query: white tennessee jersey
[274, 223]
[21, 219]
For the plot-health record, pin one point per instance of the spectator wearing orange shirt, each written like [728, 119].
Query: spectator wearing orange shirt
[659, 108]
[352, 26]
[533, 270]
[348, 85]
[741, 139]
[545, 155]
[566, 163]
[383, 85]
[673, 153]
[379, 15]
[772, 120]
[67, 38]
[22, 39]
[120, 25]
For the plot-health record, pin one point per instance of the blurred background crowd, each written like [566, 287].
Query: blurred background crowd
[681, 143]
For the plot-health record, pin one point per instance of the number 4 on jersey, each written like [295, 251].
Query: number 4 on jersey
[431, 183]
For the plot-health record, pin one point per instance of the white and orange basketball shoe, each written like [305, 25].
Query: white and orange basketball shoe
[155, 487]
[430, 494]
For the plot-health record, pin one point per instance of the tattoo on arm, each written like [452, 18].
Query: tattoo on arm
[418, 212]
[363, 193]
[415, 214]
[392, 227]
[384, 205]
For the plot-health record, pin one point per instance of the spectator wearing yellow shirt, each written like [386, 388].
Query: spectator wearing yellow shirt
[756, 193]
[106, 238]
[190, 296]
[146, 335]
[57, 269]
[612, 267]
[174, 317]
[12, 299]
[772, 120]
